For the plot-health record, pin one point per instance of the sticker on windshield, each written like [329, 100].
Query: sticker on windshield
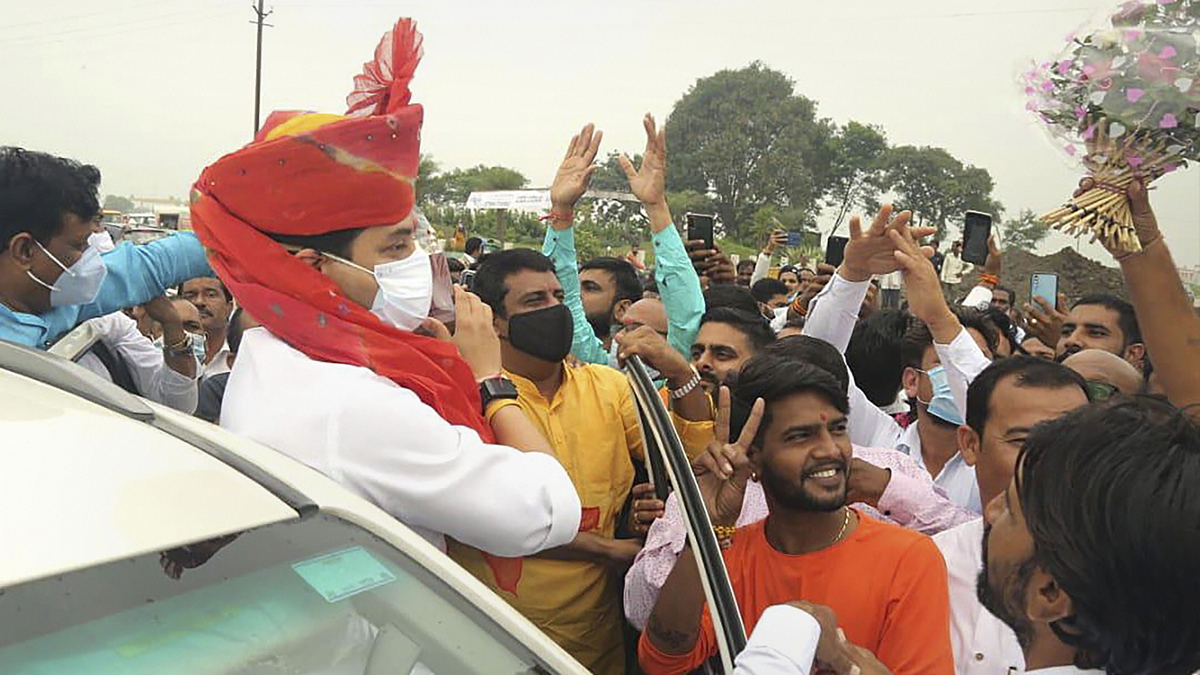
[339, 575]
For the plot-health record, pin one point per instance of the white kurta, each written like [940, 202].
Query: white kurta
[380, 441]
[982, 644]
[153, 377]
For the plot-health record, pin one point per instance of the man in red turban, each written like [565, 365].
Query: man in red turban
[311, 227]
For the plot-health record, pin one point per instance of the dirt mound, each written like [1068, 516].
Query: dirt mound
[1077, 275]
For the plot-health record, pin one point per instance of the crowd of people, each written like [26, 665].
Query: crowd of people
[902, 481]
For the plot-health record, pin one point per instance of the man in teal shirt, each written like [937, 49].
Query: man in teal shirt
[678, 284]
[52, 277]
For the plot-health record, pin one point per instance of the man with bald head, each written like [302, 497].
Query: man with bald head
[1105, 372]
[647, 312]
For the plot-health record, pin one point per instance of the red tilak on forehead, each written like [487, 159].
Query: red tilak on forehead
[824, 417]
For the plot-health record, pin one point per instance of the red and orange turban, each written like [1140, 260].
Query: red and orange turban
[308, 174]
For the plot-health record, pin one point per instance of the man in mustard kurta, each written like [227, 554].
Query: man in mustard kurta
[588, 413]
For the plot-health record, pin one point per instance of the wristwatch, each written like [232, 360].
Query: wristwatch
[497, 388]
[180, 349]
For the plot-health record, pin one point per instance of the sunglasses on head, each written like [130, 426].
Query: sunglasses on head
[1100, 391]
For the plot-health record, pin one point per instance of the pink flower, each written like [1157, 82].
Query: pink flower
[1080, 112]
[1155, 68]
[1167, 52]
[1071, 150]
[1098, 70]
[1105, 84]
[1134, 34]
[1032, 106]
[1134, 95]
[1168, 122]
[1135, 162]
[1064, 66]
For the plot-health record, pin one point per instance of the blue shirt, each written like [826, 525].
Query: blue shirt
[678, 286]
[136, 274]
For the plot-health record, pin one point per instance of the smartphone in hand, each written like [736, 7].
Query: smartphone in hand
[976, 231]
[835, 250]
[700, 226]
[1045, 286]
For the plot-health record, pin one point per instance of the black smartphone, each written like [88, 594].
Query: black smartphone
[1045, 286]
[835, 250]
[467, 279]
[976, 231]
[700, 226]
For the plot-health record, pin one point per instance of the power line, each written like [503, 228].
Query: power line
[135, 29]
[260, 16]
[85, 32]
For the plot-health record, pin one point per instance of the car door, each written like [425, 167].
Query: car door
[669, 466]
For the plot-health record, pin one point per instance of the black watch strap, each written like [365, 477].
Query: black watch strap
[497, 389]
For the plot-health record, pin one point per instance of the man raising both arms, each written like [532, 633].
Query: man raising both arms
[327, 261]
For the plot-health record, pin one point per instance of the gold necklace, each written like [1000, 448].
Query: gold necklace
[845, 523]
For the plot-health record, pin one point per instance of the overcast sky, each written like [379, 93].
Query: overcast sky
[152, 90]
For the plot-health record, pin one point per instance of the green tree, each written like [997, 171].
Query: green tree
[1025, 231]
[609, 175]
[455, 186]
[119, 203]
[936, 186]
[857, 176]
[746, 137]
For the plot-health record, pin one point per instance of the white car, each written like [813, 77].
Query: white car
[138, 540]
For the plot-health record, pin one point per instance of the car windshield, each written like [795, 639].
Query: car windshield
[312, 596]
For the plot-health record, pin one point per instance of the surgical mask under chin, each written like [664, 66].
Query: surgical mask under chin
[405, 289]
[101, 241]
[942, 404]
[78, 284]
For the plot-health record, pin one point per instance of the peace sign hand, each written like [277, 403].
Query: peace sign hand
[723, 469]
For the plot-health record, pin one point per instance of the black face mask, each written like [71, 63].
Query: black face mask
[544, 334]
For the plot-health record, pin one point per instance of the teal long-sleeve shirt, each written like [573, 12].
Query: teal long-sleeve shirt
[136, 274]
[678, 286]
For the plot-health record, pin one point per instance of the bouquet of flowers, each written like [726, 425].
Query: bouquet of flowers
[1125, 99]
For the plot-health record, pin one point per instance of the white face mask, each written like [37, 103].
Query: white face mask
[101, 240]
[405, 289]
[78, 284]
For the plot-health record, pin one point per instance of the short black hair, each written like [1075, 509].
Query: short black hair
[730, 295]
[789, 268]
[234, 334]
[455, 265]
[224, 288]
[742, 264]
[918, 337]
[814, 351]
[38, 190]
[1005, 330]
[1029, 371]
[473, 244]
[495, 269]
[1127, 320]
[874, 355]
[625, 277]
[751, 324]
[772, 378]
[1012, 295]
[765, 289]
[1109, 497]
[338, 242]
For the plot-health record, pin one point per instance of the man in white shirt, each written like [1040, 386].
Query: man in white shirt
[1003, 404]
[942, 352]
[164, 376]
[1091, 552]
[953, 267]
[312, 228]
[215, 304]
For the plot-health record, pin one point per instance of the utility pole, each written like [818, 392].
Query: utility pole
[261, 15]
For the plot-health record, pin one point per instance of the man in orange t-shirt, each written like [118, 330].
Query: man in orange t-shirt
[887, 585]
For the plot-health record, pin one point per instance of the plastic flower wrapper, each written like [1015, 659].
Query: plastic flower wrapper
[1124, 100]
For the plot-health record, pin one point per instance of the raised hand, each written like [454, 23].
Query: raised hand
[925, 299]
[474, 334]
[871, 251]
[995, 259]
[654, 349]
[723, 469]
[1046, 322]
[648, 182]
[575, 172]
